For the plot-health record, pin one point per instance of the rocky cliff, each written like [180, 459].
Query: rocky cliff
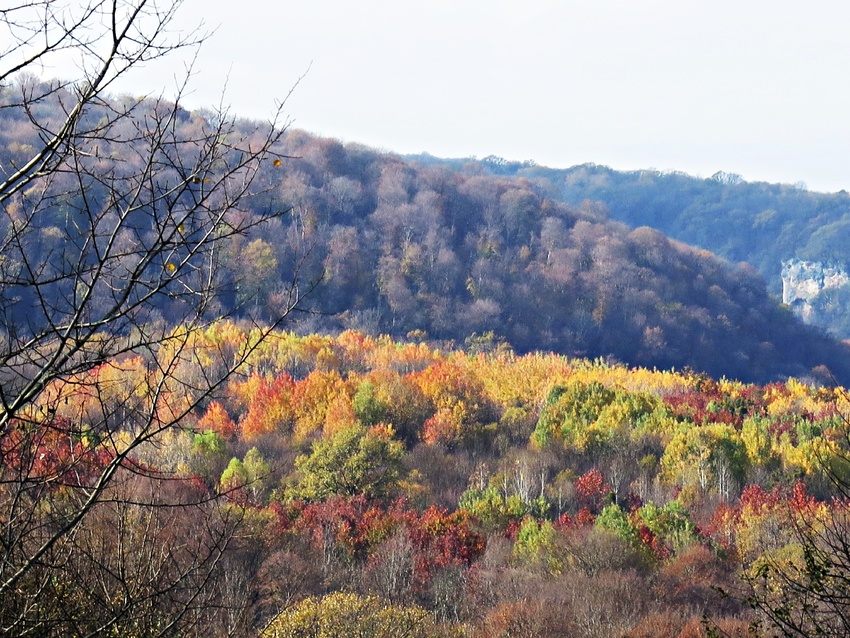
[802, 281]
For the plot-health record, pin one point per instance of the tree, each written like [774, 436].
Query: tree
[343, 614]
[797, 580]
[259, 266]
[216, 419]
[146, 197]
[270, 406]
[796, 553]
[353, 461]
[802, 589]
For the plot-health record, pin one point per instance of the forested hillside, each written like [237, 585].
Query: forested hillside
[404, 248]
[759, 223]
[421, 492]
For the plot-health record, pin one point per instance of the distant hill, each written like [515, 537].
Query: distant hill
[760, 223]
[409, 247]
[486, 252]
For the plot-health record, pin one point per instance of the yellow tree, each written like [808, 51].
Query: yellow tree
[312, 399]
[344, 614]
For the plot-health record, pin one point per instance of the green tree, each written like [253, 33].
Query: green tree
[569, 412]
[257, 470]
[368, 407]
[387, 397]
[494, 510]
[209, 452]
[356, 460]
[671, 523]
[535, 546]
[249, 476]
[614, 520]
[592, 418]
[234, 476]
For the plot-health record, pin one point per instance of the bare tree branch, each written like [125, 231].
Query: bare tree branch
[116, 217]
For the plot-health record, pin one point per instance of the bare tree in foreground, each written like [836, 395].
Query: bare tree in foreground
[114, 220]
[802, 589]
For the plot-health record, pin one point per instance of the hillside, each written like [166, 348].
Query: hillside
[478, 492]
[260, 384]
[759, 223]
[409, 249]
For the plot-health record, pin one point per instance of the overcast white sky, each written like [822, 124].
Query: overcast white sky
[755, 87]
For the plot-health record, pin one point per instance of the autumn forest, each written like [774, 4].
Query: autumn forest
[263, 384]
[459, 493]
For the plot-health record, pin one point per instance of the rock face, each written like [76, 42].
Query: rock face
[802, 281]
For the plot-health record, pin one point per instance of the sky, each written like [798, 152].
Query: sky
[754, 87]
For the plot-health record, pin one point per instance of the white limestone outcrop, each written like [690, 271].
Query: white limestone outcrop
[802, 281]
